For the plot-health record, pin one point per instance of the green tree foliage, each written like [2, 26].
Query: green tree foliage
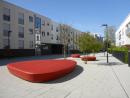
[87, 43]
[107, 43]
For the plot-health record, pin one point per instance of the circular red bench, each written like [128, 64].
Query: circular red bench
[41, 70]
[75, 55]
[88, 58]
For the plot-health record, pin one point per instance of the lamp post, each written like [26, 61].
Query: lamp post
[105, 25]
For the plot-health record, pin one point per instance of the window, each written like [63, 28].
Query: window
[38, 38]
[48, 24]
[57, 29]
[21, 18]
[43, 22]
[31, 44]
[5, 43]
[21, 44]
[120, 35]
[37, 22]
[57, 38]
[52, 36]
[6, 14]
[52, 27]
[31, 31]
[43, 33]
[129, 25]
[30, 19]
[47, 33]
[69, 40]
[21, 32]
[6, 29]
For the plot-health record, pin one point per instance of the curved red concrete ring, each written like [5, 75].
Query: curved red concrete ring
[75, 55]
[41, 70]
[88, 58]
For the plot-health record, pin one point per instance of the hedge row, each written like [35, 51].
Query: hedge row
[120, 53]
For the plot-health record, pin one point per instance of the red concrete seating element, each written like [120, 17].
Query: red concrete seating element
[75, 55]
[88, 58]
[41, 70]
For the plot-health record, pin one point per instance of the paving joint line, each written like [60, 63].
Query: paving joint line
[120, 82]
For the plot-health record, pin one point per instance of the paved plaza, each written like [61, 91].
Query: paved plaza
[92, 80]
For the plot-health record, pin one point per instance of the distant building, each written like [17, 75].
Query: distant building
[29, 32]
[98, 37]
[123, 33]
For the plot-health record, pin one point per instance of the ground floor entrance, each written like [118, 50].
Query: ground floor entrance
[51, 49]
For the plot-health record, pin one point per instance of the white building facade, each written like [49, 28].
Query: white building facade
[122, 35]
[24, 29]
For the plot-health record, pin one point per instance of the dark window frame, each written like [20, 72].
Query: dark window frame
[21, 20]
[20, 34]
[30, 18]
[48, 33]
[31, 31]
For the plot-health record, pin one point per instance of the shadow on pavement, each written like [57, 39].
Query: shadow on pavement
[4, 62]
[110, 63]
[106, 56]
[77, 71]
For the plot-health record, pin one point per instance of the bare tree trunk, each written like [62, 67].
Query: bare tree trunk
[86, 59]
[64, 51]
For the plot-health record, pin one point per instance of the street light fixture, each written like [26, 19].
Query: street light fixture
[105, 25]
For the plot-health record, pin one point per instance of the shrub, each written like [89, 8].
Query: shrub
[117, 51]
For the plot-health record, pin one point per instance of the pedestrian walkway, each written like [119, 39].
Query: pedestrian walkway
[92, 80]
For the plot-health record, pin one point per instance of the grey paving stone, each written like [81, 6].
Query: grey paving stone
[91, 80]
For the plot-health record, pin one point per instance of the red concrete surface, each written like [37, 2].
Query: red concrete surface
[88, 58]
[75, 55]
[41, 70]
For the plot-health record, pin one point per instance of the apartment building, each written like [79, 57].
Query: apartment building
[122, 35]
[24, 31]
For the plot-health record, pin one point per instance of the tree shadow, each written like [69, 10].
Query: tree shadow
[105, 56]
[77, 71]
[110, 63]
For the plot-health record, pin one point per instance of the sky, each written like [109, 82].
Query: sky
[85, 15]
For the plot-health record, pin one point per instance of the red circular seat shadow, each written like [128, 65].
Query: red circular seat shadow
[41, 70]
[75, 55]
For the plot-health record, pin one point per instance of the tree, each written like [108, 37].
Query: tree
[82, 42]
[64, 37]
[87, 43]
[97, 46]
[107, 43]
[110, 34]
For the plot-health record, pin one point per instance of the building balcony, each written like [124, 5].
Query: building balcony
[128, 32]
